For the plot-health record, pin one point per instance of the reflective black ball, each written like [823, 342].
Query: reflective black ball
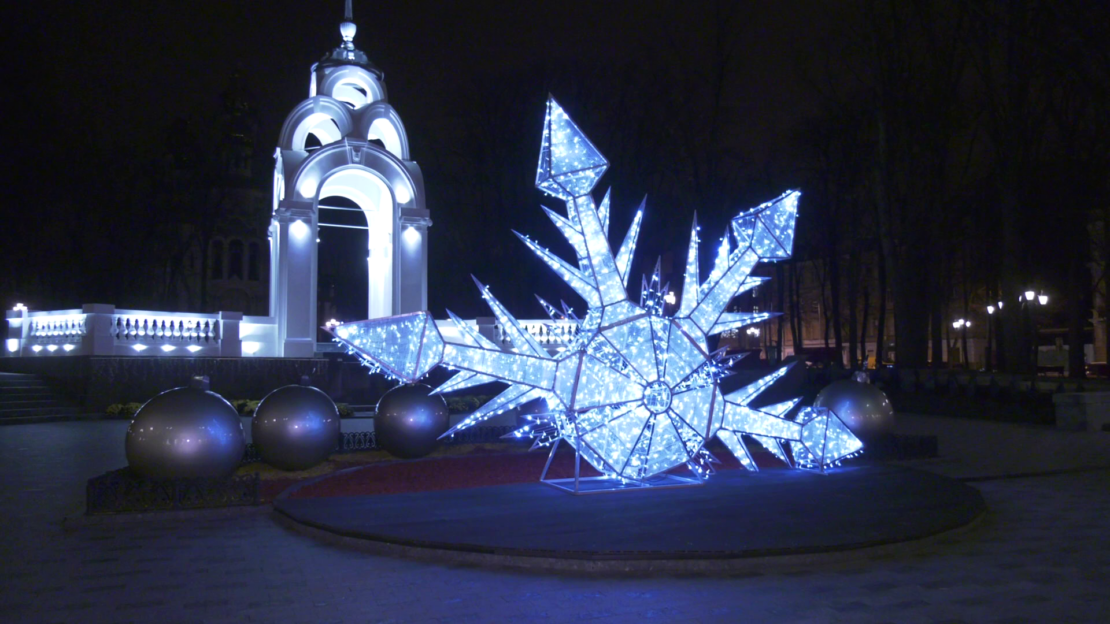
[295, 427]
[864, 408]
[410, 421]
[185, 433]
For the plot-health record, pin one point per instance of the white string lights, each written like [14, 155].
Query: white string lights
[635, 392]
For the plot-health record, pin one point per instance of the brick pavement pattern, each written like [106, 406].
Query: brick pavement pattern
[1041, 555]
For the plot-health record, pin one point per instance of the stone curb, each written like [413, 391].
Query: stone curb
[34, 420]
[81, 520]
[739, 565]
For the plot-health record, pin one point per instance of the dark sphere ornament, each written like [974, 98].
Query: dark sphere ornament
[863, 408]
[410, 421]
[295, 427]
[185, 433]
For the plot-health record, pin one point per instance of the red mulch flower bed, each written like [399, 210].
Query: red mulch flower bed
[449, 473]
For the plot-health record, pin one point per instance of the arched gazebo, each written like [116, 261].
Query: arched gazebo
[345, 141]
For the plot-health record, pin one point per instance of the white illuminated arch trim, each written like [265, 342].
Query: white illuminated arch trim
[381, 121]
[326, 161]
[325, 117]
[344, 84]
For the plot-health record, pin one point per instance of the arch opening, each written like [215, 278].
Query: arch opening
[315, 131]
[385, 132]
[358, 187]
[352, 93]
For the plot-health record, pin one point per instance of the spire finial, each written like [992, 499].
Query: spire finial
[347, 29]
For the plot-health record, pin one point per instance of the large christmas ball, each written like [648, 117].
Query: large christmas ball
[185, 433]
[863, 408]
[410, 421]
[295, 427]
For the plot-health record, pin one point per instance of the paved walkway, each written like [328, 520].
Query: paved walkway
[1042, 555]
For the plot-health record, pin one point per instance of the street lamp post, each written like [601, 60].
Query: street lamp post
[1031, 298]
[990, 338]
[962, 325]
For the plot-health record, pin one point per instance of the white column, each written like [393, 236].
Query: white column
[412, 261]
[98, 339]
[230, 343]
[379, 266]
[295, 310]
[18, 332]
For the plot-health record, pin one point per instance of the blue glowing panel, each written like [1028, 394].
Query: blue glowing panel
[769, 228]
[404, 347]
[569, 164]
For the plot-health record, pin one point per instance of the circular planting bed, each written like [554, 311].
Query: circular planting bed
[487, 507]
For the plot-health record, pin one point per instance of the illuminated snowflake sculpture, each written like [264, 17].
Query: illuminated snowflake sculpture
[635, 392]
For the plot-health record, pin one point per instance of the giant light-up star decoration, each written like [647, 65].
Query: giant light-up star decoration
[635, 392]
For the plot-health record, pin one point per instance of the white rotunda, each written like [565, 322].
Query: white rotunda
[345, 141]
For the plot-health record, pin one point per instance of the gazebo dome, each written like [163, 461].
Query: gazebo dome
[347, 53]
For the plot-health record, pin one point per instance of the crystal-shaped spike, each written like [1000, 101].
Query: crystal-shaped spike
[521, 339]
[469, 334]
[720, 266]
[569, 164]
[691, 281]
[628, 247]
[601, 263]
[603, 213]
[572, 233]
[769, 228]
[569, 311]
[550, 310]
[462, 381]
[573, 277]
[406, 346]
[738, 449]
[744, 395]
[514, 396]
[736, 320]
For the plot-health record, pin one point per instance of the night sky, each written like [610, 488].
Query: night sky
[111, 77]
[119, 70]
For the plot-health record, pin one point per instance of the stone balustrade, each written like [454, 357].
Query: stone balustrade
[101, 329]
